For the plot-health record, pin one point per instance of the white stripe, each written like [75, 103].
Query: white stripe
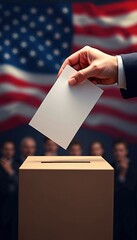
[43, 79]
[20, 109]
[114, 122]
[114, 103]
[124, 20]
[94, 120]
[114, 42]
[119, 104]
[8, 88]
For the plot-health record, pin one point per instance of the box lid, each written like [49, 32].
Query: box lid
[65, 163]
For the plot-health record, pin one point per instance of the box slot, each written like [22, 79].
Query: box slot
[66, 161]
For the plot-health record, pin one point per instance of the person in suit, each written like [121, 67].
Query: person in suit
[50, 148]
[8, 192]
[102, 68]
[75, 149]
[28, 147]
[96, 148]
[125, 193]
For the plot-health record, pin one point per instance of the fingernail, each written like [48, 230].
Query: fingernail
[72, 81]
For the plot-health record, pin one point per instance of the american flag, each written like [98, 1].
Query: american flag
[36, 38]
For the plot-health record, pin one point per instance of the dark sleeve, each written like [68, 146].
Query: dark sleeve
[130, 68]
[13, 179]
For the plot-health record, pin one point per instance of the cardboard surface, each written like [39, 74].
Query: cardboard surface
[66, 201]
[65, 162]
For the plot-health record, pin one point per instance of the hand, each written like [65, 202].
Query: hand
[124, 164]
[92, 64]
[7, 166]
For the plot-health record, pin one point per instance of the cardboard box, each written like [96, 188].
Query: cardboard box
[66, 198]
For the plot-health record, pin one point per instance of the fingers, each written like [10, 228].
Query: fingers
[82, 75]
[72, 60]
[95, 80]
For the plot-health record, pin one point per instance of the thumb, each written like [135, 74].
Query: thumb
[81, 75]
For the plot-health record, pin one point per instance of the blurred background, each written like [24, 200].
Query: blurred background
[35, 38]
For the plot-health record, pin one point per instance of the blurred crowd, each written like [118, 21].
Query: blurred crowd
[125, 191]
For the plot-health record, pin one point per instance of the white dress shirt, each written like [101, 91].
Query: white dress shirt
[121, 73]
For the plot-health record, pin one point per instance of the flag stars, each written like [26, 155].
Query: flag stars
[57, 66]
[66, 29]
[32, 24]
[32, 53]
[58, 20]
[32, 38]
[56, 52]
[65, 10]
[15, 22]
[23, 30]
[41, 48]
[15, 35]
[7, 42]
[40, 63]
[15, 50]
[23, 60]
[30, 30]
[49, 27]
[42, 18]
[48, 43]
[39, 33]
[57, 36]
[6, 27]
[24, 17]
[1, 6]
[49, 57]
[7, 56]
[23, 44]
[65, 45]
[33, 10]
[50, 10]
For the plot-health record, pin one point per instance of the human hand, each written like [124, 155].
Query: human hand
[123, 165]
[7, 166]
[92, 64]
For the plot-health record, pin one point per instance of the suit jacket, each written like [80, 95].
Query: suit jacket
[130, 68]
[125, 218]
[8, 193]
[9, 204]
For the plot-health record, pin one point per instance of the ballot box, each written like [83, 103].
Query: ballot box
[66, 198]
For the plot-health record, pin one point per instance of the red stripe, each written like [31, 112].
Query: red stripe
[112, 9]
[110, 111]
[114, 132]
[94, 30]
[112, 93]
[7, 78]
[13, 122]
[8, 98]
[17, 120]
[115, 93]
[129, 49]
[34, 101]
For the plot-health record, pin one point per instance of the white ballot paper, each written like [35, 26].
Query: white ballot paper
[65, 108]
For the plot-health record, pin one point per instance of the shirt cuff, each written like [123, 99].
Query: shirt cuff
[121, 73]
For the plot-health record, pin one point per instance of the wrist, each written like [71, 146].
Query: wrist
[115, 68]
